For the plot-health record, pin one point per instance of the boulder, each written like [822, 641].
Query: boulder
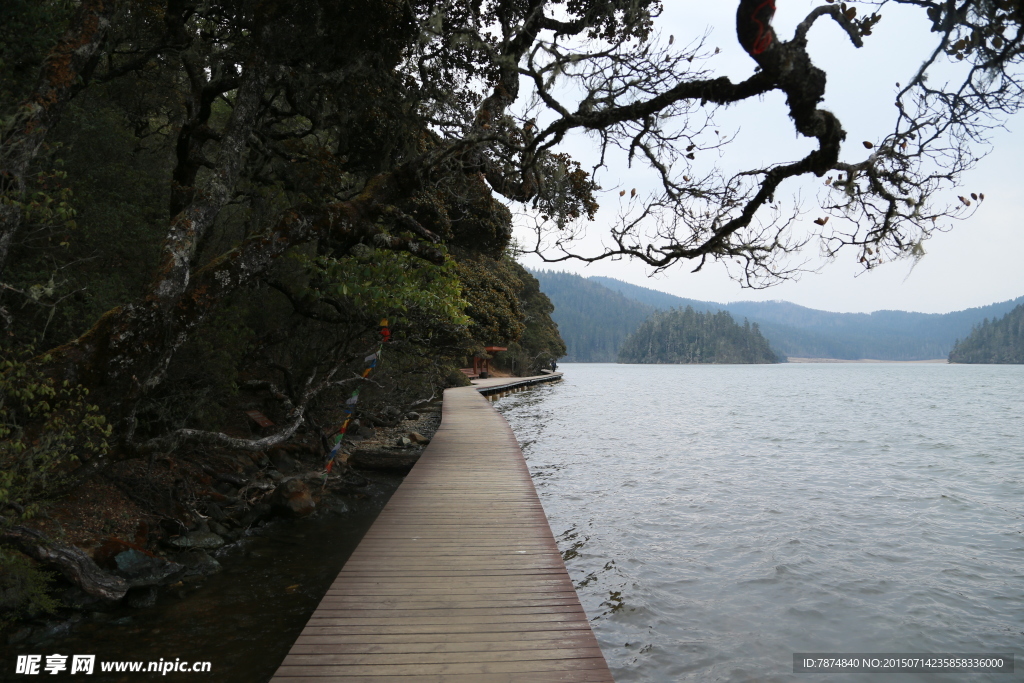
[197, 562]
[144, 569]
[282, 461]
[215, 512]
[292, 498]
[418, 438]
[205, 540]
[412, 416]
[255, 514]
[219, 529]
[403, 442]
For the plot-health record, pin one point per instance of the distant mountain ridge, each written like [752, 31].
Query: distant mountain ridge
[592, 319]
[792, 330]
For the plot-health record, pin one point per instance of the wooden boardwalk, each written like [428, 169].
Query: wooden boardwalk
[458, 580]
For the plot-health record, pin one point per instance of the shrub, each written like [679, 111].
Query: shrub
[46, 430]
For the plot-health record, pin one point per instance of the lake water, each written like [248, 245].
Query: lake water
[717, 519]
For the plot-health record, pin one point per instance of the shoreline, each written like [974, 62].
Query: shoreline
[294, 585]
[794, 359]
[280, 494]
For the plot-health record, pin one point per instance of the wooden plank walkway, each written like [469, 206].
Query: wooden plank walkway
[459, 579]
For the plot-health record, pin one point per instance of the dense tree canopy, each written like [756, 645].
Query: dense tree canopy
[541, 341]
[994, 341]
[688, 336]
[249, 185]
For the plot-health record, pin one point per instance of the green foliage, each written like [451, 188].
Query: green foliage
[994, 341]
[94, 218]
[46, 429]
[49, 203]
[138, 142]
[202, 382]
[28, 28]
[540, 343]
[491, 288]
[384, 284]
[479, 222]
[23, 588]
[686, 336]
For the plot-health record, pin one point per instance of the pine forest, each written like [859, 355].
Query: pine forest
[686, 336]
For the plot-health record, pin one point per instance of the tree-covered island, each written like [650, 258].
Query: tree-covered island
[688, 336]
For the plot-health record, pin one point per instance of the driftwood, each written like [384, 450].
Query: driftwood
[76, 566]
[384, 459]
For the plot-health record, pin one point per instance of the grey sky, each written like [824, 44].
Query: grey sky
[977, 263]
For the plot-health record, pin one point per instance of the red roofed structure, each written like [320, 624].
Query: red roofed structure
[482, 366]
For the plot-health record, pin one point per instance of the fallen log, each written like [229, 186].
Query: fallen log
[74, 564]
[384, 459]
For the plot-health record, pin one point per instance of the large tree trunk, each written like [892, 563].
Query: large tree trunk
[128, 350]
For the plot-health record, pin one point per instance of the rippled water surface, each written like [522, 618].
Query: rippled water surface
[717, 519]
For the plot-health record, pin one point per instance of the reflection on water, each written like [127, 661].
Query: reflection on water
[244, 619]
[717, 519]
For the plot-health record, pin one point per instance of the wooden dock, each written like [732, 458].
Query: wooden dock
[459, 579]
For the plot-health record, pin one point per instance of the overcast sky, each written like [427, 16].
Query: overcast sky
[977, 263]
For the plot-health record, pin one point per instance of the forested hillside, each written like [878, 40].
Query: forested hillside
[540, 342]
[798, 331]
[994, 341]
[592, 319]
[689, 336]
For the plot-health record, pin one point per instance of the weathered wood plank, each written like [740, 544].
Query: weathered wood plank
[330, 646]
[446, 620]
[441, 582]
[457, 601]
[511, 628]
[523, 667]
[546, 677]
[458, 580]
[459, 657]
[476, 639]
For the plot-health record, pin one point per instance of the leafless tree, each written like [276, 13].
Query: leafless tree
[648, 102]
